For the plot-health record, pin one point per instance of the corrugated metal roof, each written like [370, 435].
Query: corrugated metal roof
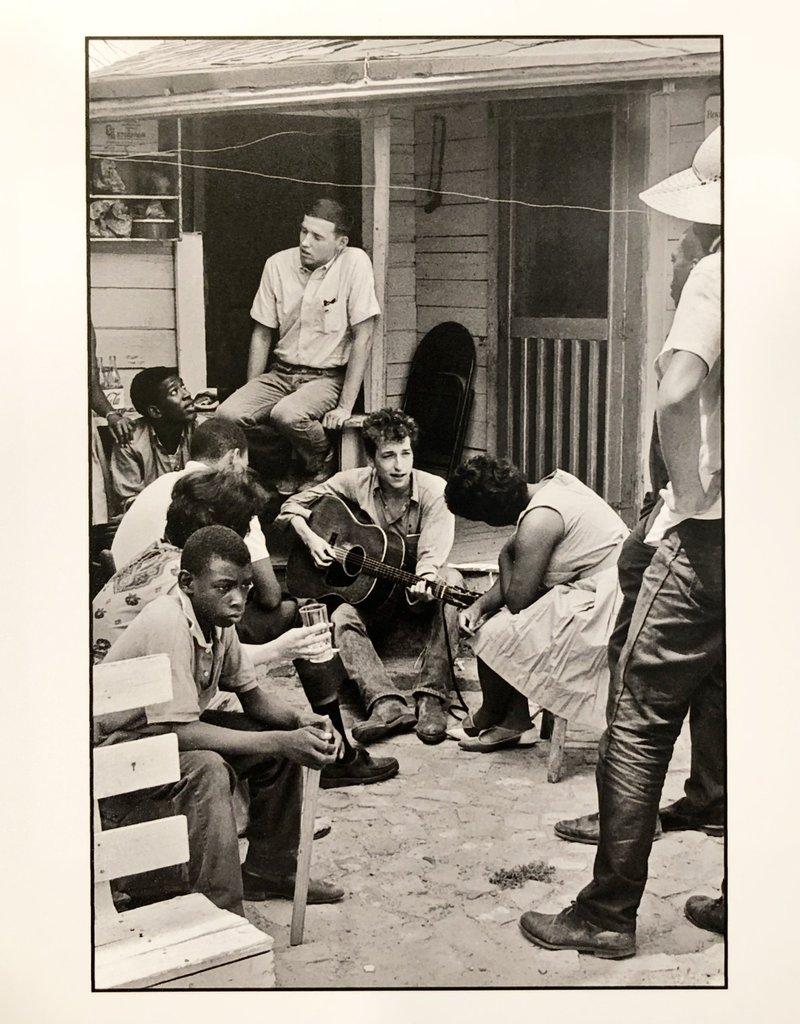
[183, 67]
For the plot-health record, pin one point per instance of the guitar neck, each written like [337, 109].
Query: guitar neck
[444, 592]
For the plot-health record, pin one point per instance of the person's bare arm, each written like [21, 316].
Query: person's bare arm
[527, 561]
[118, 423]
[265, 584]
[678, 410]
[261, 342]
[309, 745]
[354, 375]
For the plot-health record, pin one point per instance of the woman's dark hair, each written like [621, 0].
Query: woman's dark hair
[488, 489]
[213, 497]
[388, 425]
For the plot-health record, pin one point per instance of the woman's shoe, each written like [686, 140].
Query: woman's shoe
[465, 729]
[499, 738]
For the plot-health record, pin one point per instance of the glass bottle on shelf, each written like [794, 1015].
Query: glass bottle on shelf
[112, 383]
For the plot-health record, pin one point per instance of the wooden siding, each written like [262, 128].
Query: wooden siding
[132, 298]
[452, 250]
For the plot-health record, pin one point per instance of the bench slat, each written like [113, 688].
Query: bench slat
[142, 847]
[133, 683]
[139, 764]
[181, 936]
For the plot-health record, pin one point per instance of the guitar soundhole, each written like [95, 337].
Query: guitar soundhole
[354, 561]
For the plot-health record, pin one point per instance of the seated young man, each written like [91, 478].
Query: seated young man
[266, 745]
[313, 315]
[231, 497]
[215, 444]
[408, 502]
[159, 441]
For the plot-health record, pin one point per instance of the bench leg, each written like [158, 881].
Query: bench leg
[555, 762]
[309, 812]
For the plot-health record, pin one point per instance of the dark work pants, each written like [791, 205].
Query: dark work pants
[705, 788]
[203, 793]
[675, 640]
[354, 632]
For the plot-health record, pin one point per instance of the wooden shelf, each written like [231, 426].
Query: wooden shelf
[102, 238]
[117, 195]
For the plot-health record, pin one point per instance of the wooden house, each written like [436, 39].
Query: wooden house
[495, 183]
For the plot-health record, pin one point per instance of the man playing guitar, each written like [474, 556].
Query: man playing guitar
[409, 503]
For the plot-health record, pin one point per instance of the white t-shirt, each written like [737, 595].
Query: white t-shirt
[146, 519]
[697, 328]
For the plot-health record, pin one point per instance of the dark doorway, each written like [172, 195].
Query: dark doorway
[245, 218]
[568, 274]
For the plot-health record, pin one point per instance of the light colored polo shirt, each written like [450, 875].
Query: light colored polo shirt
[426, 514]
[314, 311]
[697, 328]
[200, 667]
[146, 519]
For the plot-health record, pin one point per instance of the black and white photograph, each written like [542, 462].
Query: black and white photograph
[405, 596]
[407, 531]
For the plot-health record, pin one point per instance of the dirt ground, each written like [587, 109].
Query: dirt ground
[414, 856]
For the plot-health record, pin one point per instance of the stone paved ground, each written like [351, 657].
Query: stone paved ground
[414, 855]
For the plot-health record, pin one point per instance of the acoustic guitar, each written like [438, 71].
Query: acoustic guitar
[369, 562]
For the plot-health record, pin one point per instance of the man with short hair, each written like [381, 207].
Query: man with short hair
[215, 444]
[676, 639]
[408, 502]
[265, 745]
[159, 442]
[314, 311]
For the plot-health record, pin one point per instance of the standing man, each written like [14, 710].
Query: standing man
[675, 642]
[314, 310]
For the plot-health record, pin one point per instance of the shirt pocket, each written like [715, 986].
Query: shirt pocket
[332, 316]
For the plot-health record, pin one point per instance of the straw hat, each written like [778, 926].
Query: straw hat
[693, 194]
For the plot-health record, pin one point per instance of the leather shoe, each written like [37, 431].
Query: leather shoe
[586, 829]
[360, 771]
[431, 719]
[675, 819]
[568, 930]
[388, 716]
[257, 888]
[706, 912]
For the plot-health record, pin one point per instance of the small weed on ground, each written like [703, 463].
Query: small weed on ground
[513, 878]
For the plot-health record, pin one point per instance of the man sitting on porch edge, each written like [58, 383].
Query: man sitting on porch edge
[314, 313]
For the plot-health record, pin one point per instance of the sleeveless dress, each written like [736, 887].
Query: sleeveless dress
[555, 650]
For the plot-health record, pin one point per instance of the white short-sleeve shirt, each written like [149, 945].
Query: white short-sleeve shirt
[314, 311]
[697, 328]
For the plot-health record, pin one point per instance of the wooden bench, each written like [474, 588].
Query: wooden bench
[184, 942]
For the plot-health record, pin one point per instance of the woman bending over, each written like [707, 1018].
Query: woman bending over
[540, 633]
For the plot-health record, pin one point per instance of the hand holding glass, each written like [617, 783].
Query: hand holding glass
[312, 614]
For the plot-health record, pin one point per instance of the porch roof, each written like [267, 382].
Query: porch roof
[184, 76]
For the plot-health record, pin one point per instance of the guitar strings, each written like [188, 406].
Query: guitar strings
[401, 575]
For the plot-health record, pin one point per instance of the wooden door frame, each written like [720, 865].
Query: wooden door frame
[626, 343]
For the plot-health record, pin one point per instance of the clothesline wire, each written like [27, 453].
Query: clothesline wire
[403, 188]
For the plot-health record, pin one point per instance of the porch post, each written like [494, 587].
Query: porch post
[378, 126]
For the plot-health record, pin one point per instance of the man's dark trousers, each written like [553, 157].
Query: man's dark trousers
[674, 643]
[704, 801]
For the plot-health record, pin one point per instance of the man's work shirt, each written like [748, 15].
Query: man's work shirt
[146, 519]
[314, 311]
[426, 513]
[200, 667]
[133, 468]
[697, 328]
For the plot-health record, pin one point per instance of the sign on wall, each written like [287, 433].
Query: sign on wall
[712, 114]
[123, 138]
